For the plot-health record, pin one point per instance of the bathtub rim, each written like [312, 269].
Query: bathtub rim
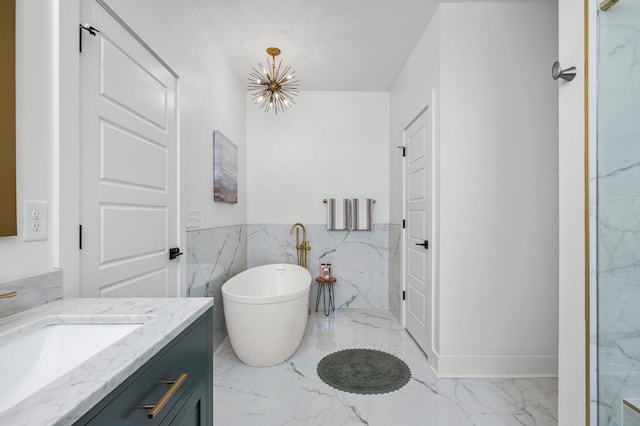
[270, 299]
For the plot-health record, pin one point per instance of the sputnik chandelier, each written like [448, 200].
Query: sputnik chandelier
[273, 88]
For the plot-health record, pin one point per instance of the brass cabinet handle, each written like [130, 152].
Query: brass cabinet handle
[8, 295]
[175, 385]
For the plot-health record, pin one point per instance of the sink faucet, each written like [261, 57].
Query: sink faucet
[8, 295]
[301, 247]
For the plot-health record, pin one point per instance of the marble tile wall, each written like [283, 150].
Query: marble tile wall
[359, 259]
[33, 290]
[214, 256]
[618, 210]
[395, 271]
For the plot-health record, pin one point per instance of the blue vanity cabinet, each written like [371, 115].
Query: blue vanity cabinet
[179, 377]
[194, 411]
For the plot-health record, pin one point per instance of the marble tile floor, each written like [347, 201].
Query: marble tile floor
[292, 394]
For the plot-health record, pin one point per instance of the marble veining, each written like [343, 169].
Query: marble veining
[359, 259]
[617, 212]
[33, 290]
[395, 271]
[292, 394]
[213, 257]
[70, 396]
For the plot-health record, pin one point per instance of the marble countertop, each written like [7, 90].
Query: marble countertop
[70, 396]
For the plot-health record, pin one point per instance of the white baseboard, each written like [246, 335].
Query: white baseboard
[495, 366]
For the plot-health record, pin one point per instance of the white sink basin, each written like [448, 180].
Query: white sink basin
[35, 358]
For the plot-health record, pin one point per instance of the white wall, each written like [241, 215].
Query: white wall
[34, 133]
[211, 97]
[496, 161]
[417, 86]
[66, 214]
[328, 145]
[499, 188]
[572, 385]
[411, 93]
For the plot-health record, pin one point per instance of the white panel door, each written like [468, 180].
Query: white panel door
[129, 164]
[417, 137]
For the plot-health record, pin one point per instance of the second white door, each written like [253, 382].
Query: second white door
[417, 261]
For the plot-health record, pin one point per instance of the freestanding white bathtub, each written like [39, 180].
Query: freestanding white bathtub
[266, 310]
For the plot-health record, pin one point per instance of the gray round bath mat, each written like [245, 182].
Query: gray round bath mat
[363, 371]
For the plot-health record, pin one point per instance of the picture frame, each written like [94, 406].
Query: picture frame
[225, 169]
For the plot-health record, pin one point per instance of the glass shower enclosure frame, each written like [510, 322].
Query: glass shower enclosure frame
[614, 188]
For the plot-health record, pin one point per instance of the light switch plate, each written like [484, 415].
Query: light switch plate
[193, 219]
[35, 220]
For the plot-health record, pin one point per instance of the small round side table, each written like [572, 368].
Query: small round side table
[332, 303]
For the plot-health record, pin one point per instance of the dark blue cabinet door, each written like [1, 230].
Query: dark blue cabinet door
[189, 354]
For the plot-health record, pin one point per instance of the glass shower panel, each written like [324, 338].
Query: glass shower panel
[618, 208]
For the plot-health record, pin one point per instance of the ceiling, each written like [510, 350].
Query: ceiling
[337, 45]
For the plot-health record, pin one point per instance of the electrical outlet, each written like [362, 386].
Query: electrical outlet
[35, 220]
[193, 219]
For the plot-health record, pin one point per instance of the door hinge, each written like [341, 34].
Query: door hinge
[404, 295]
[80, 236]
[90, 29]
[404, 223]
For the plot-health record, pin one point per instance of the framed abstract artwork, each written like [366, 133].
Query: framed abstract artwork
[225, 169]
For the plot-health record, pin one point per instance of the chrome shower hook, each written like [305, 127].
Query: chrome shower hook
[557, 72]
